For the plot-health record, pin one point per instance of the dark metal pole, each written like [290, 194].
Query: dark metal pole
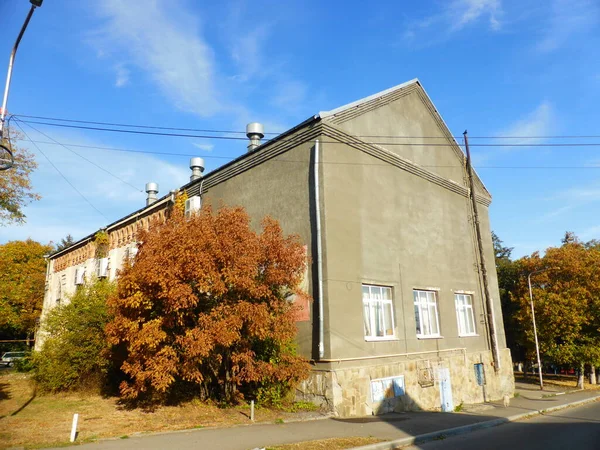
[486, 288]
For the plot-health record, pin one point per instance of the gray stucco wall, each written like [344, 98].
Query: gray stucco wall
[279, 188]
[390, 227]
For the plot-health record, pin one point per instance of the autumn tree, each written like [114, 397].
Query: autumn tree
[567, 303]
[22, 281]
[205, 308]
[16, 190]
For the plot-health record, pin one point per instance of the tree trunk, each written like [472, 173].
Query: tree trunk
[593, 375]
[580, 376]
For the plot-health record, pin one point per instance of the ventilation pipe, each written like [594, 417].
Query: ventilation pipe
[151, 190]
[197, 166]
[255, 132]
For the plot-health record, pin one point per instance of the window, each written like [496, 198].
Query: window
[464, 314]
[426, 314]
[378, 312]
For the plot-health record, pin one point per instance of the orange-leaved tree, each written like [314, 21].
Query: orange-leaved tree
[205, 308]
[566, 294]
[22, 278]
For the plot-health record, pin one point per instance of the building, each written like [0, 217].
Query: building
[378, 191]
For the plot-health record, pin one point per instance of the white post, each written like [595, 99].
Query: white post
[74, 427]
[252, 410]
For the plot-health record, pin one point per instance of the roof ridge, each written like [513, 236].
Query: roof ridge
[323, 114]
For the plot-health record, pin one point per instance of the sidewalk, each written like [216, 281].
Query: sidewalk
[398, 427]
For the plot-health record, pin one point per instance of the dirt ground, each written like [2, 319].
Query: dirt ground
[329, 444]
[30, 420]
[567, 382]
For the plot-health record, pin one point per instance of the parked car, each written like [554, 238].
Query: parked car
[9, 358]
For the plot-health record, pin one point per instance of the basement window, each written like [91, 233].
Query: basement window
[378, 312]
[426, 314]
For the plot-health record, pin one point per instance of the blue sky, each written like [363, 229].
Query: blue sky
[494, 67]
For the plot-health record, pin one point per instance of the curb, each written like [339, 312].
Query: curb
[421, 438]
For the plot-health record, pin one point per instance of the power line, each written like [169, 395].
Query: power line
[417, 144]
[303, 161]
[84, 158]
[155, 127]
[126, 125]
[117, 149]
[63, 176]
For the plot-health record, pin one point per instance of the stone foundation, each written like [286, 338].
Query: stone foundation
[366, 387]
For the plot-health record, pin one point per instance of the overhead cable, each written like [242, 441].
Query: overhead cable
[63, 176]
[85, 159]
[410, 144]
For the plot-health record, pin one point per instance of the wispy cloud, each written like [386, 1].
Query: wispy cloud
[533, 126]
[528, 129]
[203, 146]
[571, 199]
[247, 52]
[122, 75]
[167, 43]
[590, 233]
[289, 95]
[568, 18]
[455, 16]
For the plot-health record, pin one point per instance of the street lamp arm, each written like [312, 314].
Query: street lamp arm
[10, 67]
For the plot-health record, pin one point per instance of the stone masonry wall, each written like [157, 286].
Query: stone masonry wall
[349, 391]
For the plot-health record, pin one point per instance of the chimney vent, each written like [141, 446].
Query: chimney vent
[255, 132]
[197, 166]
[151, 190]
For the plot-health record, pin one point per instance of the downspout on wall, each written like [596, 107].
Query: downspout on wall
[319, 251]
[491, 318]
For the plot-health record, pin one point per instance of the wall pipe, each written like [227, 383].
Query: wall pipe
[319, 251]
[491, 320]
[396, 355]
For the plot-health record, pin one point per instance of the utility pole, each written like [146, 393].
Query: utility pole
[6, 156]
[486, 288]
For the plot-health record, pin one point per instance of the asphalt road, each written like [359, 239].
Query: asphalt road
[574, 428]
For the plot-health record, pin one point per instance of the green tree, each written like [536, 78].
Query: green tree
[16, 190]
[22, 281]
[65, 242]
[508, 278]
[74, 354]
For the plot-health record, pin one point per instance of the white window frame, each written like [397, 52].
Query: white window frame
[464, 303]
[370, 302]
[426, 299]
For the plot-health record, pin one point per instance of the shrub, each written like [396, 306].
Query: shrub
[24, 365]
[74, 354]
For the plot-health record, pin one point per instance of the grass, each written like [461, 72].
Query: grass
[328, 444]
[34, 420]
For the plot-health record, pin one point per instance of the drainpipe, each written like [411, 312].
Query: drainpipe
[319, 252]
[491, 319]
